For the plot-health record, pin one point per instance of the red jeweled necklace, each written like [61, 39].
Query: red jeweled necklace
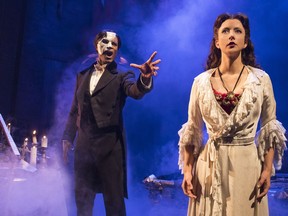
[230, 94]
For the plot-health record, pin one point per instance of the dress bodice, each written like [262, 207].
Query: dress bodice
[227, 104]
[256, 105]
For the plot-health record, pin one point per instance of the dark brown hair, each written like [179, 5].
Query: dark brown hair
[247, 54]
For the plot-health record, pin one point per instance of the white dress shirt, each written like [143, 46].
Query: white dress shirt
[96, 75]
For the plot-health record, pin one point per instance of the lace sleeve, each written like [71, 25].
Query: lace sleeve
[189, 135]
[191, 131]
[272, 135]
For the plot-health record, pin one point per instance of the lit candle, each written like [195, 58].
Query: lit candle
[34, 137]
[33, 155]
[24, 148]
[25, 143]
[9, 127]
[44, 142]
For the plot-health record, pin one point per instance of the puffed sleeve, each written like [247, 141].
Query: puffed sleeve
[271, 133]
[191, 131]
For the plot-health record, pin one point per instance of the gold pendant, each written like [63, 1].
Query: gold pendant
[226, 102]
[234, 102]
[230, 95]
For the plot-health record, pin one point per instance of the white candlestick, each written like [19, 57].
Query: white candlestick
[33, 155]
[24, 148]
[34, 137]
[44, 142]
[25, 143]
[9, 127]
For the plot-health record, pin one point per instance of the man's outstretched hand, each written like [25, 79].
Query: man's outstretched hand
[149, 68]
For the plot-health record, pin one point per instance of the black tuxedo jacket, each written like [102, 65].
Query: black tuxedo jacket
[107, 102]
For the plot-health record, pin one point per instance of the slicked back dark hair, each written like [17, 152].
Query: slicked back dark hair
[247, 54]
[103, 34]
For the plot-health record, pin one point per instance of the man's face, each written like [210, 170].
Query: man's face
[107, 48]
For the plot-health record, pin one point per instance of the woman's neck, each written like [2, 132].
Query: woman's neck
[231, 66]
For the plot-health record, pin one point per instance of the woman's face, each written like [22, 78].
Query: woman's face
[231, 37]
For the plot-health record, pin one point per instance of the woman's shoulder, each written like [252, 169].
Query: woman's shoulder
[204, 75]
[258, 72]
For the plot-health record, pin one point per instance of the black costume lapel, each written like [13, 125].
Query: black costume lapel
[104, 80]
[107, 76]
[84, 85]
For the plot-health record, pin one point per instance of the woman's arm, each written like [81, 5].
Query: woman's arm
[264, 181]
[189, 158]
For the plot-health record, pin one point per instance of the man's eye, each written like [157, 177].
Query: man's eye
[114, 44]
[105, 41]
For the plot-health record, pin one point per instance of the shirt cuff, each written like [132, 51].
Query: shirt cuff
[146, 86]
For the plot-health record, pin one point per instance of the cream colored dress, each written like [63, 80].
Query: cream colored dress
[229, 164]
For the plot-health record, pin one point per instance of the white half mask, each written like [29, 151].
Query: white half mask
[107, 43]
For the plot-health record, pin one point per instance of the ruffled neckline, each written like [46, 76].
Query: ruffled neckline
[241, 110]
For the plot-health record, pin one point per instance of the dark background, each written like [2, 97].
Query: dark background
[44, 43]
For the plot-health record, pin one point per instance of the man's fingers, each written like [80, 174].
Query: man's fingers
[149, 68]
[135, 65]
[156, 68]
[156, 62]
[152, 56]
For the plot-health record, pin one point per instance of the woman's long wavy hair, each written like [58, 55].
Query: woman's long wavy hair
[247, 54]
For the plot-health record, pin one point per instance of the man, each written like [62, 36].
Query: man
[96, 115]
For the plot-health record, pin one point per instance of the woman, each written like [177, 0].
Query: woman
[230, 175]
